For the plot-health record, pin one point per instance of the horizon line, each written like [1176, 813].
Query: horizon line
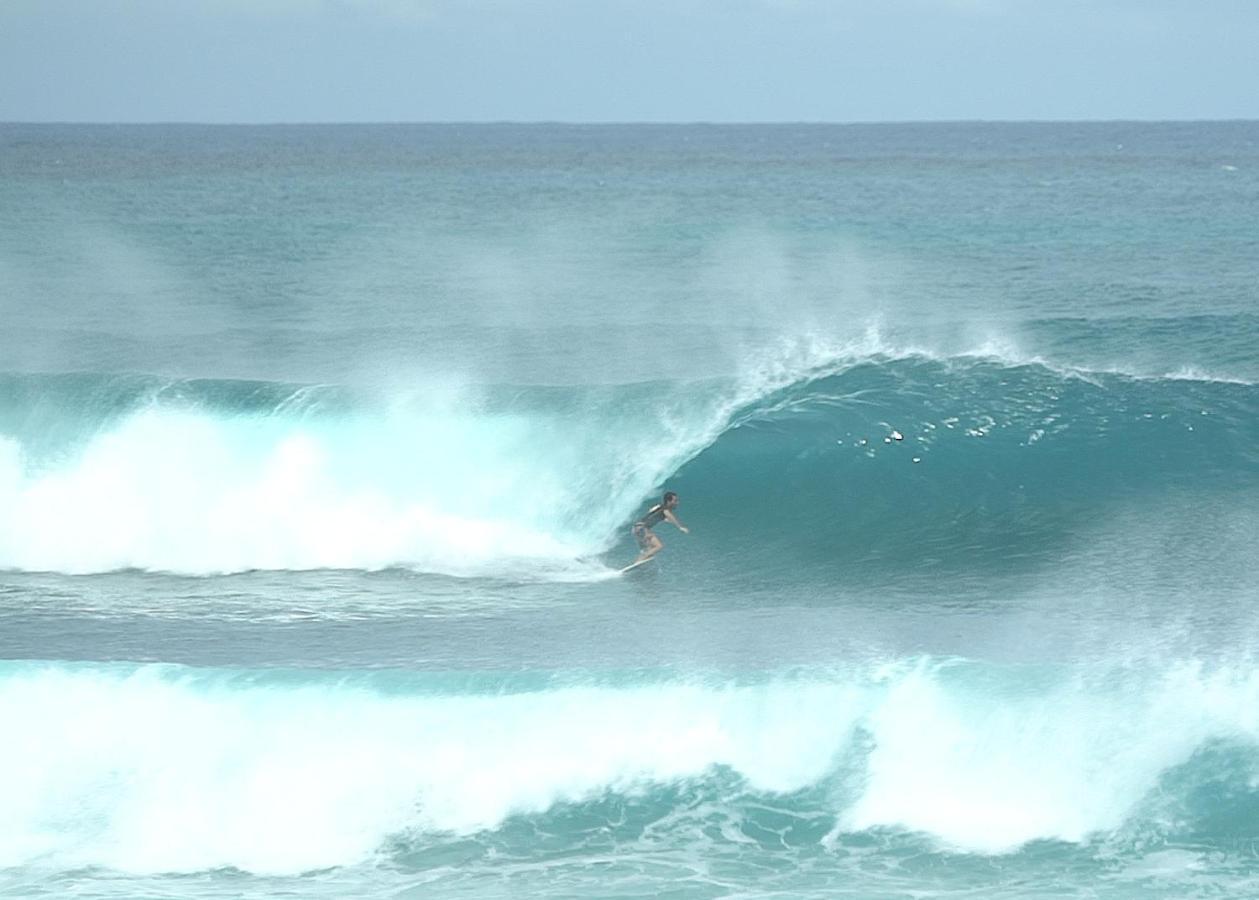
[575, 123]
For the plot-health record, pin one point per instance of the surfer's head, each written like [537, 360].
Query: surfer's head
[670, 499]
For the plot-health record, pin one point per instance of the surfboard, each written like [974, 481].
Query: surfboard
[635, 565]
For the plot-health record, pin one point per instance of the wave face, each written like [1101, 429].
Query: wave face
[972, 463]
[293, 772]
[875, 463]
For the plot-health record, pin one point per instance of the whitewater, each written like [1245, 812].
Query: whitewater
[319, 448]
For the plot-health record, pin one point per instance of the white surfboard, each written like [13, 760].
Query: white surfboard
[635, 565]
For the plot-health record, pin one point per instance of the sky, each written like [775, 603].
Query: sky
[254, 61]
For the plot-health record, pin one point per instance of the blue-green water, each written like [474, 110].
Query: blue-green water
[319, 447]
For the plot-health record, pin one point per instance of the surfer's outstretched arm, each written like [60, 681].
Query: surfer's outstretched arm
[674, 519]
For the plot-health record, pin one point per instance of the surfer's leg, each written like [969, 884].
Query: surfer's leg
[648, 544]
[651, 546]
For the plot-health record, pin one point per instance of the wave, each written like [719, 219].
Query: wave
[291, 772]
[111, 472]
[973, 462]
[859, 454]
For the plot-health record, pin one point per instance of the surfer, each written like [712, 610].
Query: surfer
[648, 543]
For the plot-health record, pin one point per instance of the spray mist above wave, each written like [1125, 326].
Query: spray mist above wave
[294, 773]
[103, 472]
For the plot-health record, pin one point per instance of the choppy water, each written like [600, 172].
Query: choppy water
[318, 448]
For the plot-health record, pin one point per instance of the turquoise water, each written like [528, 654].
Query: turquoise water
[319, 447]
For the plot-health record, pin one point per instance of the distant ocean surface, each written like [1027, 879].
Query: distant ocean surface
[319, 448]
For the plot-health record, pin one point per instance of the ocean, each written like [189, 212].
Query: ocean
[320, 447]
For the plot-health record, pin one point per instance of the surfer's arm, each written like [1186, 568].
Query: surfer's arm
[674, 519]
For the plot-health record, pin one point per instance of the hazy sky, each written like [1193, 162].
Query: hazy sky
[626, 60]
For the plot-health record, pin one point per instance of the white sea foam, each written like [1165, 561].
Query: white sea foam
[169, 770]
[192, 492]
[990, 774]
[146, 772]
[1193, 373]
